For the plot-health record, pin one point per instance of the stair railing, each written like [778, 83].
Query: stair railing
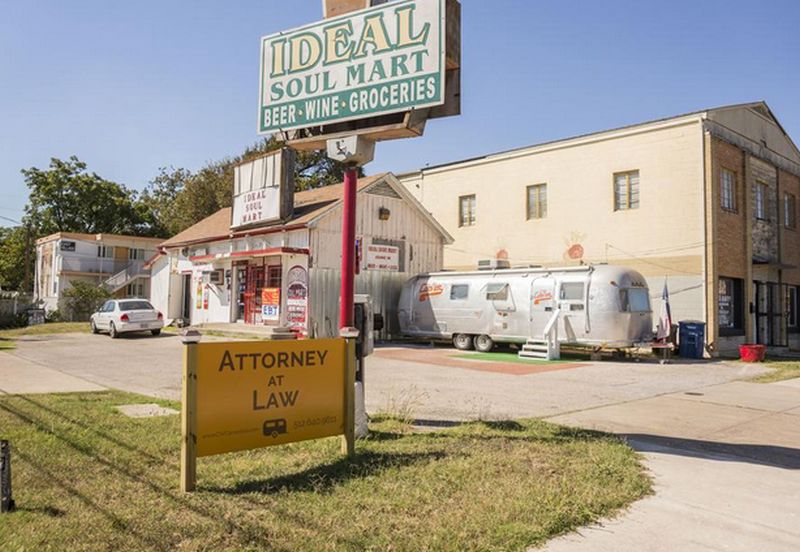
[551, 336]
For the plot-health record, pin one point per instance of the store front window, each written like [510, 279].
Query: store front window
[252, 279]
[731, 303]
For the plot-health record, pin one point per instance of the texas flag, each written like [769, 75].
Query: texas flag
[665, 318]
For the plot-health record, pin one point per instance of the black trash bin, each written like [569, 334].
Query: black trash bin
[691, 338]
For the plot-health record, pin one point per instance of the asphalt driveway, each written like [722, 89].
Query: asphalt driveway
[411, 379]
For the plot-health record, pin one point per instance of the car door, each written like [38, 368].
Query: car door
[108, 310]
[101, 317]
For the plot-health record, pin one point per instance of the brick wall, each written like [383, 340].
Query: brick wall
[765, 231]
[790, 238]
[731, 237]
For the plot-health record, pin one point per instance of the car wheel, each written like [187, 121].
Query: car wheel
[112, 330]
[484, 343]
[462, 342]
[155, 332]
[94, 328]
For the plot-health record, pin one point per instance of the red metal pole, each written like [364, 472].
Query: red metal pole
[348, 249]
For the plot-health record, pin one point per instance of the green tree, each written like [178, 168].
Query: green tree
[157, 205]
[13, 243]
[67, 198]
[177, 199]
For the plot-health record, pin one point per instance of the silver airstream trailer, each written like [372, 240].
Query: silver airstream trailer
[597, 305]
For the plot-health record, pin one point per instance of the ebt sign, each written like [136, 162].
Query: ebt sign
[381, 60]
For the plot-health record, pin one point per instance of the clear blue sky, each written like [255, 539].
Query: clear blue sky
[132, 86]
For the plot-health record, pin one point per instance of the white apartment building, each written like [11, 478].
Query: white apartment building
[104, 259]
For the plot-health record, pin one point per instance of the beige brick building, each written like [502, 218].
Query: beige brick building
[706, 199]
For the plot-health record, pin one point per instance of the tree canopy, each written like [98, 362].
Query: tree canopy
[67, 197]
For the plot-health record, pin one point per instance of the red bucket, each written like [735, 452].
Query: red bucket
[750, 352]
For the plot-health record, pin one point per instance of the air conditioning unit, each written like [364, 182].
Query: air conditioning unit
[493, 264]
[216, 277]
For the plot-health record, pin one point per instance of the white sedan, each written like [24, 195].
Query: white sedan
[119, 316]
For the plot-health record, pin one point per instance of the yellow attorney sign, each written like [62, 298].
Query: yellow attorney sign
[258, 394]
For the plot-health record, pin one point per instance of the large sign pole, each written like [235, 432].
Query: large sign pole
[348, 248]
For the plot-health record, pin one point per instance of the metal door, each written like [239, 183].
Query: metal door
[252, 294]
[541, 304]
[770, 318]
[186, 307]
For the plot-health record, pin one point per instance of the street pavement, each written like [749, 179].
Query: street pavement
[724, 454]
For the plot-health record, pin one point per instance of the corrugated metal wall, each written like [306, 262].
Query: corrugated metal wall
[383, 287]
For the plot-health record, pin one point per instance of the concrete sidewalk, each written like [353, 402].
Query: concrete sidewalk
[21, 376]
[726, 464]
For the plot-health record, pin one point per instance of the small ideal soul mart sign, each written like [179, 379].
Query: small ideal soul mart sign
[385, 59]
[254, 394]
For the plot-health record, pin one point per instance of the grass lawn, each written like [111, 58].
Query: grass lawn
[43, 329]
[88, 478]
[783, 370]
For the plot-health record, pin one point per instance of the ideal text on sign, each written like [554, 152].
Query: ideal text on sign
[381, 60]
[257, 394]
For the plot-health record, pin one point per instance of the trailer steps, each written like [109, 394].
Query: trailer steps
[540, 349]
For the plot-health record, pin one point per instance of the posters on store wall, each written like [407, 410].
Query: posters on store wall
[297, 298]
[271, 304]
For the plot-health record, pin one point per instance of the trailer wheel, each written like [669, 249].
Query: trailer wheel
[462, 342]
[484, 343]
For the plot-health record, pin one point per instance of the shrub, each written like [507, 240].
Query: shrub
[82, 299]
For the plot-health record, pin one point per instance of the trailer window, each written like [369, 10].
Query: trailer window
[634, 300]
[497, 292]
[571, 291]
[459, 291]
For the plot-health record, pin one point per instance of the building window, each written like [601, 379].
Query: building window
[466, 210]
[459, 291]
[789, 215]
[105, 251]
[731, 303]
[135, 254]
[274, 277]
[537, 201]
[761, 201]
[135, 289]
[626, 190]
[727, 190]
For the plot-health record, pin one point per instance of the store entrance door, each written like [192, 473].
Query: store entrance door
[186, 303]
[240, 271]
[770, 321]
[252, 294]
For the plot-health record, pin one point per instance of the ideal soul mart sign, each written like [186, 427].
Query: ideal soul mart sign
[377, 61]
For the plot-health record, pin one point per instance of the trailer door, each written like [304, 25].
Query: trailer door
[541, 304]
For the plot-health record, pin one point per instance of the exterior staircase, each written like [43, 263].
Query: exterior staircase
[546, 347]
[132, 271]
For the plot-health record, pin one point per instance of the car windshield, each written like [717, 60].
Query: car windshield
[135, 305]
